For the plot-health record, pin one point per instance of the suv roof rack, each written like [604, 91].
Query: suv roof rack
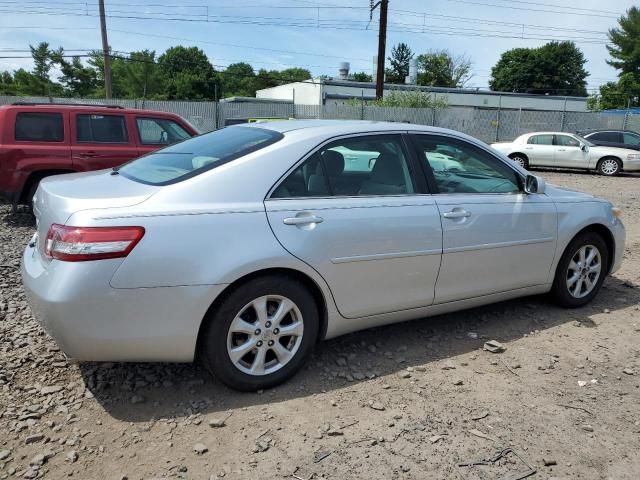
[68, 104]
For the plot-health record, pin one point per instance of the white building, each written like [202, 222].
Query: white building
[329, 92]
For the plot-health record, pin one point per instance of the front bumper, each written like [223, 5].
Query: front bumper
[92, 321]
[619, 236]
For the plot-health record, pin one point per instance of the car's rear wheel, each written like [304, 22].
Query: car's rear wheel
[520, 159]
[609, 166]
[581, 271]
[261, 333]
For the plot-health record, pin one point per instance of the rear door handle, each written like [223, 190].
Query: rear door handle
[87, 154]
[457, 214]
[562, 149]
[303, 220]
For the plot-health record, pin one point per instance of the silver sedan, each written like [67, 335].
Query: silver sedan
[245, 246]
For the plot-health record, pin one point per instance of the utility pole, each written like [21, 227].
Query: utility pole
[105, 52]
[382, 42]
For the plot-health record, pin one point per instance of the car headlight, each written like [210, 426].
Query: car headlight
[616, 212]
[633, 156]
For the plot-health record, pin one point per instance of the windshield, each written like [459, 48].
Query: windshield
[196, 155]
[585, 141]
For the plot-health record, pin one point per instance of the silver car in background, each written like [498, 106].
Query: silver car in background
[566, 150]
[245, 246]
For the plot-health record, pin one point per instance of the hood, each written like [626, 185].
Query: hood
[563, 194]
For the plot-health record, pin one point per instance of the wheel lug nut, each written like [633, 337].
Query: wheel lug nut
[270, 343]
[259, 344]
[276, 331]
[258, 331]
[268, 324]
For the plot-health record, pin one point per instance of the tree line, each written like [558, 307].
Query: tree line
[185, 73]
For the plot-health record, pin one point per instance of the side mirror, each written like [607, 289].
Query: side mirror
[583, 147]
[534, 184]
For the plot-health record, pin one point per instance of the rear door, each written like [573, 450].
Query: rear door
[101, 140]
[370, 231]
[540, 150]
[569, 153]
[155, 132]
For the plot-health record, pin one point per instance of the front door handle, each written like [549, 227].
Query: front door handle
[457, 214]
[87, 154]
[303, 220]
[562, 149]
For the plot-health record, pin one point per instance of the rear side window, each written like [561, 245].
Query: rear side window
[541, 140]
[160, 131]
[606, 137]
[198, 154]
[631, 139]
[39, 127]
[92, 128]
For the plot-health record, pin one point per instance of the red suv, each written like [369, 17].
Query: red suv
[39, 140]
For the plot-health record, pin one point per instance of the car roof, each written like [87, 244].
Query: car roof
[71, 106]
[330, 128]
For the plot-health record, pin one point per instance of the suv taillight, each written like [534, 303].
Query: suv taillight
[80, 244]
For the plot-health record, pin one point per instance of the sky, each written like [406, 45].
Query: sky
[314, 34]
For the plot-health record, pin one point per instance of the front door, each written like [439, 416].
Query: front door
[569, 153]
[368, 231]
[495, 237]
[100, 140]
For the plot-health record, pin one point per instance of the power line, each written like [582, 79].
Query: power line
[511, 7]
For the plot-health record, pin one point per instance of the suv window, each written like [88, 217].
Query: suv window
[541, 140]
[356, 166]
[160, 131]
[97, 128]
[39, 127]
[567, 141]
[606, 137]
[631, 138]
[459, 167]
[197, 155]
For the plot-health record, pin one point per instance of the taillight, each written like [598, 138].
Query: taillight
[79, 244]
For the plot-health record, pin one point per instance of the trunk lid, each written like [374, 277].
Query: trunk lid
[60, 196]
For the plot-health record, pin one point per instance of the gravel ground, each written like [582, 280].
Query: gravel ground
[407, 401]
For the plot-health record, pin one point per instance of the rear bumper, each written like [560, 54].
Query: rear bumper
[631, 166]
[92, 321]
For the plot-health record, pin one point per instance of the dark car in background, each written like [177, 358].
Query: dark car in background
[40, 140]
[613, 138]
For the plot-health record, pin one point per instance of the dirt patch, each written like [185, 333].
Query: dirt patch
[412, 400]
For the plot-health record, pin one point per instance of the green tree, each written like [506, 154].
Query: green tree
[361, 77]
[556, 68]
[625, 57]
[187, 74]
[77, 79]
[441, 69]
[238, 80]
[400, 58]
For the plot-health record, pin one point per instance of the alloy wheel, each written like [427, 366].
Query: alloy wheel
[265, 335]
[584, 271]
[609, 166]
[520, 161]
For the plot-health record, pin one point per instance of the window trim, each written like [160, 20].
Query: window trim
[415, 173]
[431, 179]
[93, 141]
[149, 117]
[57, 142]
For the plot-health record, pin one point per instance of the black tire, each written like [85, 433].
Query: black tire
[607, 172]
[560, 290]
[520, 159]
[213, 344]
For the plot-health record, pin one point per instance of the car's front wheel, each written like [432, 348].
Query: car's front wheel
[520, 159]
[581, 270]
[261, 333]
[609, 166]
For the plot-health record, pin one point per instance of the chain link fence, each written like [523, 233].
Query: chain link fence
[486, 124]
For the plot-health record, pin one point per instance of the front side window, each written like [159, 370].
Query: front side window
[567, 141]
[631, 138]
[197, 155]
[94, 128]
[39, 127]
[459, 167]
[358, 166]
[541, 140]
[160, 131]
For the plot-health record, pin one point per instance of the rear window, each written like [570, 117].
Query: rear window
[39, 127]
[196, 155]
[101, 128]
